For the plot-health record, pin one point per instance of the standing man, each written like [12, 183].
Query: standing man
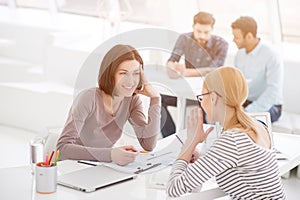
[262, 67]
[203, 52]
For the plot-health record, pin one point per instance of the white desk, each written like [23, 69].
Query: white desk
[18, 183]
[290, 145]
[183, 88]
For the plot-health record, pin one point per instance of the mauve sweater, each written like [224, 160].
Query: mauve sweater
[90, 132]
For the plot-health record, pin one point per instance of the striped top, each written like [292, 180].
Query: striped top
[242, 169]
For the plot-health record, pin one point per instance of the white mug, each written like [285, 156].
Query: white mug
[46, 178]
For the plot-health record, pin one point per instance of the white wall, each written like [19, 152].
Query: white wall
[48, 51]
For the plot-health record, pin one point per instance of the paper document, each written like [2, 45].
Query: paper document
[159, 179]
[143, 163]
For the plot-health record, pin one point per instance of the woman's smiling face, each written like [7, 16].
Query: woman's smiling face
[127, 78]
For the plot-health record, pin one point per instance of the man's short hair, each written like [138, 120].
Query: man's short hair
[246, 25]
[204, 18]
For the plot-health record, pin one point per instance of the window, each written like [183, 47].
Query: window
[129, 10]
[3, 2]
[277, 19]
[290, 19]
[260, 10]
[83, 7]
[42, 4]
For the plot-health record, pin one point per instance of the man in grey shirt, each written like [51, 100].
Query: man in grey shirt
[203, 52]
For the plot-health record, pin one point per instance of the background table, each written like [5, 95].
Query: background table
[183, 88]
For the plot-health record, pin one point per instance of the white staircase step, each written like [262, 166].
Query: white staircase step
[34, 106]
[12, 70]
[14, 146]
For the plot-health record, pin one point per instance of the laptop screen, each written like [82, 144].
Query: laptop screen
[265, 118]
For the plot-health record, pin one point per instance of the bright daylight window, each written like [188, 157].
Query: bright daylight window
[130, 10]
[260, 10]
[83, 7]
[97, 8]
[274, 17]
[42, 4]
[290, 19]
[3, 2]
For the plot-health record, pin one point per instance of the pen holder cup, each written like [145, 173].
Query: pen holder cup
[46, 178]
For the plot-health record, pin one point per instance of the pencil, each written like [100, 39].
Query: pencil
[57, 157]
[179, 139]
[46, 160]
[49, 162]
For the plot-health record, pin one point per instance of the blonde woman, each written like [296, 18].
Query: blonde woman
[242, 158]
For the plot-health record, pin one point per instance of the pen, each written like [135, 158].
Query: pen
[179, 139]
[145, 169]
[131, 150]
[49, 162]
[159, 155]
[46, 160]
[57, 156]
[144, 152]
[86, 162]
[182, 144]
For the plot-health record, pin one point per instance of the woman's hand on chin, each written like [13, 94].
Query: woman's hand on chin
[195, 131]
[147, 89]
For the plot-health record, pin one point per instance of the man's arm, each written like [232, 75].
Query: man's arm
[178, 50]
[274, 79]
[220, 52]
[171, 70]
[175, 70]
[201, 71]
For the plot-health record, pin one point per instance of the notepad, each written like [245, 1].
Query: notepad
[143, 163]
[159, 179]
[93, 178]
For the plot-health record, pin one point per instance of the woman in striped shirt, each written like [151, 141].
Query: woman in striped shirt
[241, 159]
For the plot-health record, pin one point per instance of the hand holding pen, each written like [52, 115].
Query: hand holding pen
[123, 155]
[196, 153]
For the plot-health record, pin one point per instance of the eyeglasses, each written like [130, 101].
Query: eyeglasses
[200, 96]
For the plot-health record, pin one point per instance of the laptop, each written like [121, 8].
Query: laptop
[93, 178]
[265, 118]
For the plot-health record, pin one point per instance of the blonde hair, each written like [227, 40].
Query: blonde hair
[231, 85]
